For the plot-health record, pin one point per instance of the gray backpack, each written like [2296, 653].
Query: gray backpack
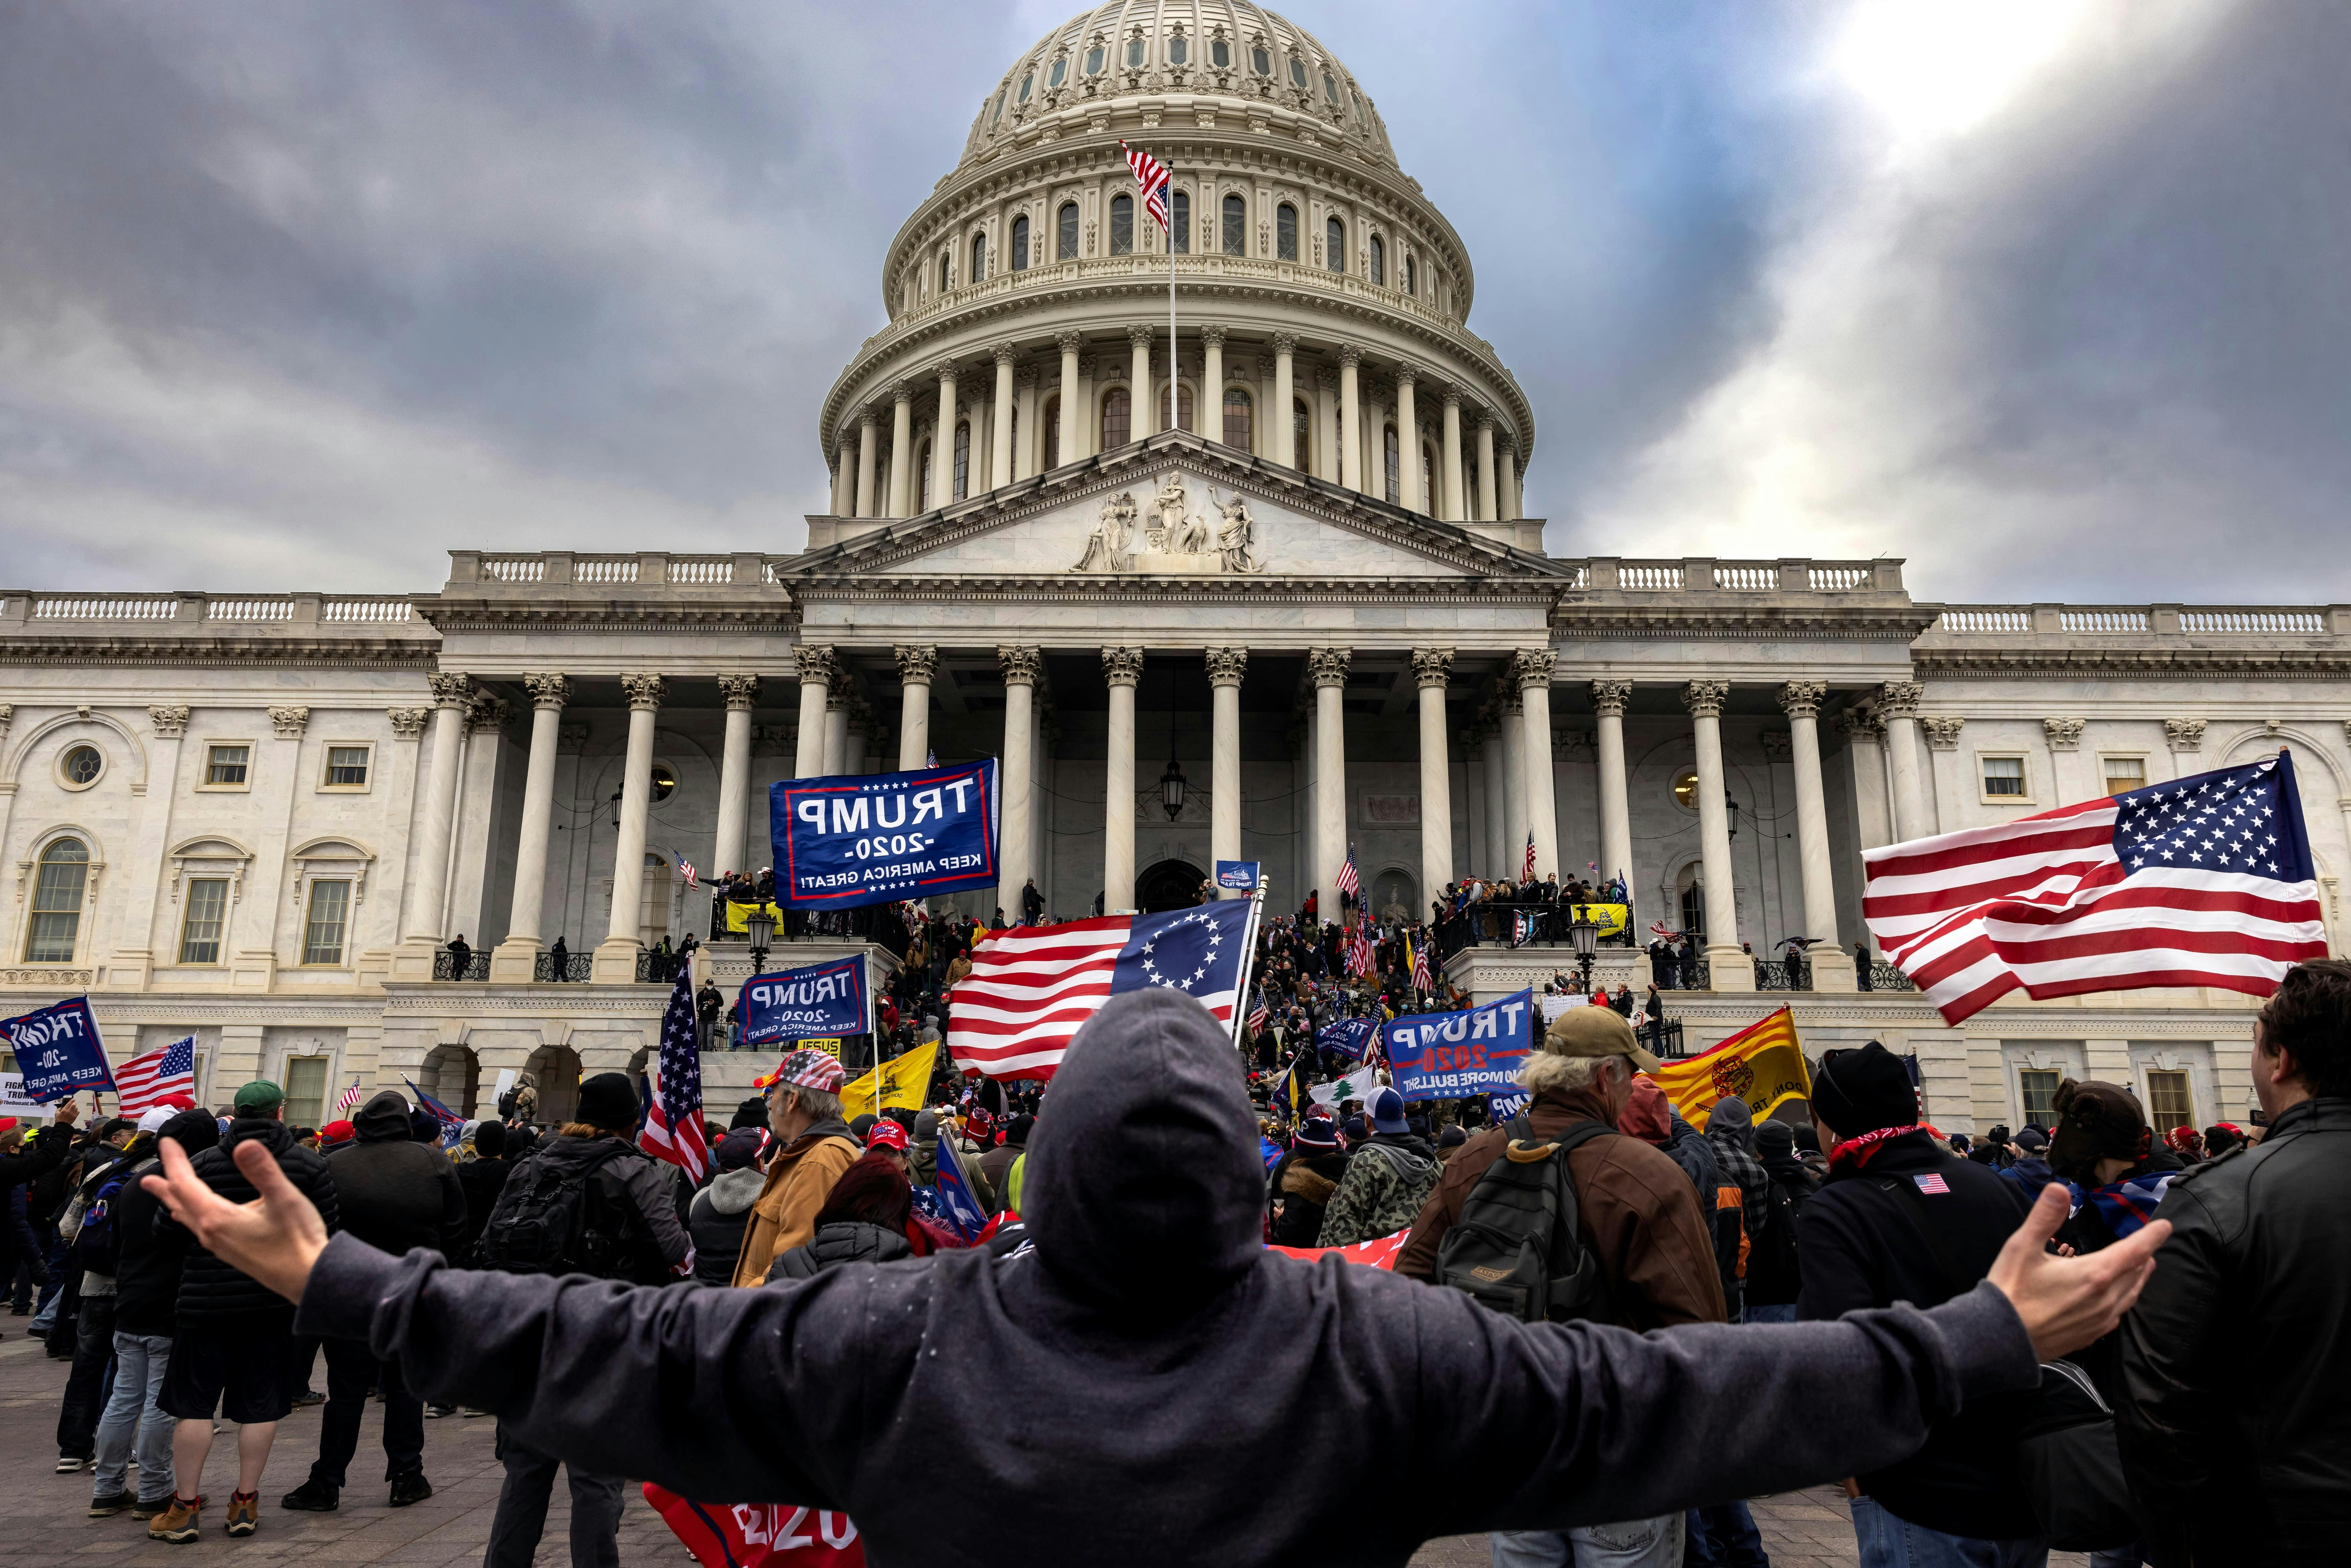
[1515, 1248]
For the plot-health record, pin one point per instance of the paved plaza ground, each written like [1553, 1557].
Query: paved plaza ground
[43, 1519]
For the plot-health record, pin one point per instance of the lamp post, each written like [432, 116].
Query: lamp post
[1585, 932]
[1171, 785]
[760, 927]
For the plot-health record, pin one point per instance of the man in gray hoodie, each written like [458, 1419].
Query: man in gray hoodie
[1014, 1382]
[721, 1210]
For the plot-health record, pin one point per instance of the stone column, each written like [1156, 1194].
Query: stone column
[916, 666]
[1518, 820]
[836, 733]
[1122, 667]
[1016, 847]
[1326, 423]
[1513, 507]
[818, 671]
[420, 928]
[869, 452]
[1328, 666]
[901, 451]
[1432, 668]
[616, 956]
[1284, 430]
[1832, 964]
[1000, 461]
[1141, 405]
[1027, 450]
[1485, 512]
[1533, 670]
[1350, 418]
[742, 695]
[1873, 813]
[1609, 697]
[1068, 448]
[1452, 456]
[1733, 969]
[1225, 667]
[1212, 382]
[943, 438]
[1898, 702]
[1497, 854]
[515, 960]
[843, 497]
[1408, 494]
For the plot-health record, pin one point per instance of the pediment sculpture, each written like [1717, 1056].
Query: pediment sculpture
[1177, 542]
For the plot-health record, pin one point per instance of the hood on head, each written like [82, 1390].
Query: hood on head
[1143, 1190]
[383, 1119]
[1646, 1113]
[1731, 1117]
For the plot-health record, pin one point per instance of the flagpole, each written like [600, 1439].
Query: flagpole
[1249, 954]
[1171, 301]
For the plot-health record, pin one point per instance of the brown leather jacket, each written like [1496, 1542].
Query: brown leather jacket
[1638, 1213]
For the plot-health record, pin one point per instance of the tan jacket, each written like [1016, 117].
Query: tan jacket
[798, 1181]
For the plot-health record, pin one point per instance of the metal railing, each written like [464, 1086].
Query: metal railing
[576, 966]
[1772, 975]
[444, 966]
[1885, 976]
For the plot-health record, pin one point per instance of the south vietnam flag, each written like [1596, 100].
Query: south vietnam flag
[1762, 1064]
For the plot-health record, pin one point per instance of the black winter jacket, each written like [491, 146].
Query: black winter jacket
[717, 1219]
[1303, 1180]
[481, 1180]
[633, 1194]
[1863, 1241]
[40, 1152]
[2236, 1433]
[147, 1268]
[1012, 1383]
[396, 1193]
[211, 1290]
[842, 1241]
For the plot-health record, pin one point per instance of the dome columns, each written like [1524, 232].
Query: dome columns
[1351, 417]
[1408, 494]
[1451, 484]
[1485, 468]
[1212, 384]
[1282, 426]
[1000, 461]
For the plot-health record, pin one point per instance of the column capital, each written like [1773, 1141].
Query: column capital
[1431, 666]
[1705, 698]
[1068, 340]
[1534, 667]
[1610, 697]
[1285, 342]
[836, 702]
[906, 392]
[944, 372]
[1802, 699]
[451, 689]
[1326, 379]
[1215, 335]
[1138, 336]
[291, 722]
[916, 666]
[645, 692]
[1023, 666]
[741, 691]
[1900, 699]
[407, 723]
[1510, 704]
[1349, 355]
[1227, 665]
[1328, 666]
[1122, 667]
[1024, 377]
[816, 663]
[869, 418]
[1942, 732]
[1860, 723]
[1452, 395]
[1003, 353]
[1484, 420]
[171, 720]
[2185, 734]
[1405, 376]
[2064, 734]
[486, 712]
[547, 691]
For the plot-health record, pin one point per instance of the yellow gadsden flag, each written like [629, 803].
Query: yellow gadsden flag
[904, 1080]
[1761, 1064]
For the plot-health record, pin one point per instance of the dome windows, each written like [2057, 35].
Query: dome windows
[946, 273]
[1411, 277]
[1235, 226]
[1237, 418]
[962, 460]
[1178, 51]
[1027, 81]
[1067, 237]
[1060, 72]
[1261, 61]
[1020, 244]
[1285, 233]
[1122, 226]
[979, 258]
[1331, 89]
[1180, 214]
[1094, 60]
[1220, 55]
[1117, 419]
[999, 110]
[1134, 49]
[1379, 262]
[1335, 246]
[1298, 73]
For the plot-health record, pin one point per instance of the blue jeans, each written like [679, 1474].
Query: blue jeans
[138, 1364]
[1886, 1541]
[1723, 1536]
[1782, 1312]
[1633, 1543]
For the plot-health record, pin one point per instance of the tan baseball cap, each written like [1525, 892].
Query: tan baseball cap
[1590, 1030]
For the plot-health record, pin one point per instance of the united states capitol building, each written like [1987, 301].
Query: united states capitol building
[1307, 612]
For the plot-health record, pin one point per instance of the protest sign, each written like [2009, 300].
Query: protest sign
[57, 1051]
[1237, 876]
[1477, 1050]
[876, 837]
[15, 1102]
[826, 999]
[1762, 1064]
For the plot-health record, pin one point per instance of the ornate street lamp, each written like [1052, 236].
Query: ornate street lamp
[616, 811]
[760, 927]
[1171, 789]
[1584, 932]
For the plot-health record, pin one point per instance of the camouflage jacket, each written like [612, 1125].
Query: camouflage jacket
[1386, 1182]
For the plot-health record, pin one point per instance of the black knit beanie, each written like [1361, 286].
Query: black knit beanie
[606, 1102]
[1858, 1092]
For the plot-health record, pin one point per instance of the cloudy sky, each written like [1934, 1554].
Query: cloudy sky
[2047, 295]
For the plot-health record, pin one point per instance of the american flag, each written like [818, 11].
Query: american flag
[1526, 867]
[349, 1097]
[1347, 880]
[1152, 176]
[685, 869]
[2206, 881]
[141, 1082]
[1422, 981]
[673, 1129]
[1359, 949]
[1259, 1015]
[1031, 987]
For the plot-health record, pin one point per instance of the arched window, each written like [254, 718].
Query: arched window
[922, 477]
[1069, 234]
[1296, 71]
[1183, 406]
[999, 110]
[963, 460]
[1285, 233]
[1335, 246]
[1094, 60]
[1236, 235]
[1237, 418]
[1025, 83]
[1411, 277]
[979, 258]
[1051, 431]
[57, 903]
[946, 273]
[1395, 476]
[1379, 261]
[1181, 213]
[1261, 61]
[1302, 434]
[1694, 907]
[1122, 226]
[1331, 89]
[1020, 244]
[1118, 419]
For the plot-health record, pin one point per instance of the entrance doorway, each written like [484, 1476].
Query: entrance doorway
[1170, 884]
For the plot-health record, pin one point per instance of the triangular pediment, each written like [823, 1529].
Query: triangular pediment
[1174, 507]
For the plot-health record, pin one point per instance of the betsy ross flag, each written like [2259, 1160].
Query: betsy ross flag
[673, 1129]
[2206, 881]
[141, 1082]
[1031, 987]
[1152, 176]
[1347, 880]
[349, 1097]
[1527, 868]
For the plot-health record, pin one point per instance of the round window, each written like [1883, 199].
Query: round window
[665, 780]
[1685, 790]
[80, 765]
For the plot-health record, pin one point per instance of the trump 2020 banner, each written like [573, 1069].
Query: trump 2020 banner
[878, 838]
[813, 1001]
[1479, 1050]
[57, 1051]
[1237, 876]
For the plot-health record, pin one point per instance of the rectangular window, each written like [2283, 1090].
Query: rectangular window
[347, 768]
[305, 1091]
[2004, 777]
[200, 932]
[56, 909]
[2037, 1091]
[224, 767]
[322, 926]
[1180, 232]
[2125, 774]
[2168, 1104]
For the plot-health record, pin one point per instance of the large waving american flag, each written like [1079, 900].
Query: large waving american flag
[141, 1082]
[1031, 987]
[1349, 879]
[2206, 881]
[673, 1129]
[1152, 176]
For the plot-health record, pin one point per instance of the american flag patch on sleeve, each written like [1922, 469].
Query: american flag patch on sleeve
[1931, 1183]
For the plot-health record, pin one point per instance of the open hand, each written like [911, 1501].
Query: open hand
[2068, 1302]
[276, 1239]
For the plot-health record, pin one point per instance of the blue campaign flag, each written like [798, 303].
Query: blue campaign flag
[57, 1051]
[957, 1204]
[1500, 1108]
[878, 838]
[1271, 1150]
[1239, 876]
[1347, 1037]
[815, 1001]
[1477, 1050]
[453, 1125]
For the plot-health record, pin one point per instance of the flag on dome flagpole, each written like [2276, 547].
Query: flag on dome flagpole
[673, 1129]
[1527, 870]
[141, 1082]
[1152, 176]
[2204, 881]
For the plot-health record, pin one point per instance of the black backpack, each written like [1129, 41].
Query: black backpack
[97, 1246]
[1515, 1248]
[553, 1218]
[508, 1102]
